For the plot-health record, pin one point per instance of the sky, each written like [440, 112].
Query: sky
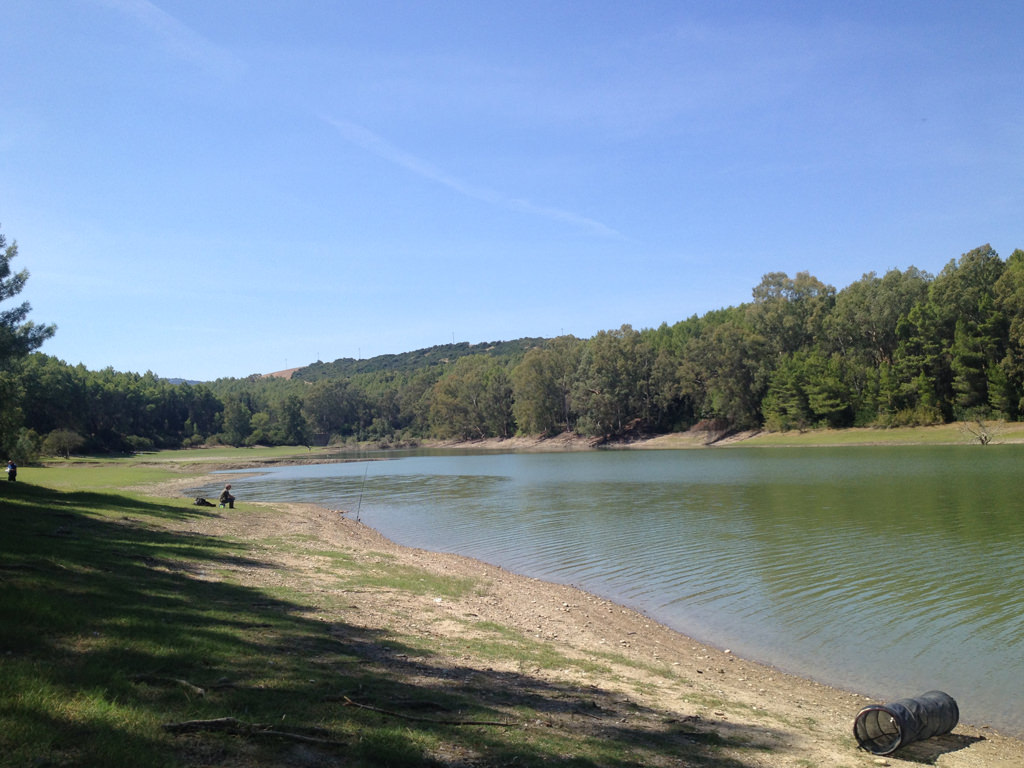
[215, 189]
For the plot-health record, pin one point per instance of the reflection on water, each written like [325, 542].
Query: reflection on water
[888, 570]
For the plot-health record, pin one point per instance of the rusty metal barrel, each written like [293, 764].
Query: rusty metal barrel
[883, 728]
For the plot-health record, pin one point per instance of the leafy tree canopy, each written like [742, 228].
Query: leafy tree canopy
[18, 335]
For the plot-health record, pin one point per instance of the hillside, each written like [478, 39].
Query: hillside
[420, 358]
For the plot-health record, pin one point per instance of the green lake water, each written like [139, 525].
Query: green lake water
[890, 571]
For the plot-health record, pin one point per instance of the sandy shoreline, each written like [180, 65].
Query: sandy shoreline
[792, 721]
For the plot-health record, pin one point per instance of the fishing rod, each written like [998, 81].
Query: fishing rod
[359, 506]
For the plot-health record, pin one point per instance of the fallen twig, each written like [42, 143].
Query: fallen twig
[349, 703]
[240, 728]
[159, 680]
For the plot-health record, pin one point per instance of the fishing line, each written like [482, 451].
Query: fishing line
[359, 506]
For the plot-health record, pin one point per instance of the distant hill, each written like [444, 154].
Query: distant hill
[411, 361]
[280, 374]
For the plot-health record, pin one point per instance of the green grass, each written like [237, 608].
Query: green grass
[226, 453]
[83, 475]
[388, 575]
[497, 643]
[112, 625]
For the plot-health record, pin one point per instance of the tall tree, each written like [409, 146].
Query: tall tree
[789, 313]
[18, 335]
[723, 370]
[950, 341]
[292, 427]
[1006, 392]
[332, 407]
[237, 421]
[542, 383]
[863, 322]
[614, 387]
[473, 400]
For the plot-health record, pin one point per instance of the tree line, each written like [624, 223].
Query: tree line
[903, 348]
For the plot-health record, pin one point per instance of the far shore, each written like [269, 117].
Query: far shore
[961, 433]
[966, 433]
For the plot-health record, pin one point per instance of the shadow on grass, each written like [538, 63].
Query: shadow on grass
[111, 628]
[103, 502]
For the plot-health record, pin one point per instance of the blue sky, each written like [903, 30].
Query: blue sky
[207, 189]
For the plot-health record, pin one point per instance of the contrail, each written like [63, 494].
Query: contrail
[183, 41]
[372, 142]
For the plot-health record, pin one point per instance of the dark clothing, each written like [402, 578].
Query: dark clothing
[12, 471]
[227, 498]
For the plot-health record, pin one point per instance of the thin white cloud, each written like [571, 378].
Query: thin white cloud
[372, 142]
[180, 39]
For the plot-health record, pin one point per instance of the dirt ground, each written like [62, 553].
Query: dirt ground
[788, 721]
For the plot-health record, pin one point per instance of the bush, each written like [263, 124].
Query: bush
[26, 448]
[61, 442]
[138, 443]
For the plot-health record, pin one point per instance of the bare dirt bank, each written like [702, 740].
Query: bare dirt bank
[658, 678]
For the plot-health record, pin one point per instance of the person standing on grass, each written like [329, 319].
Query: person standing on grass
[12, 471]
[226, 499]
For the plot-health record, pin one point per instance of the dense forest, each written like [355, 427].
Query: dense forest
[904, 348]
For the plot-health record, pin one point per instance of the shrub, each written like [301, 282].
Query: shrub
[61, 442]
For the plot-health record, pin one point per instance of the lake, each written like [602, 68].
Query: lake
[886, 570]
